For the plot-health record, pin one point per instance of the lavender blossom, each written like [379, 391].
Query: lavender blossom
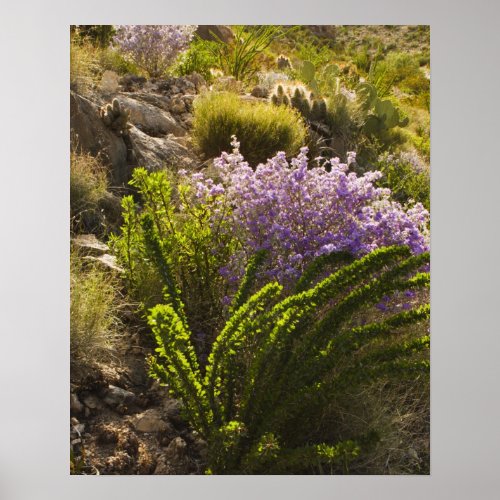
[153, 47]
[299, 212]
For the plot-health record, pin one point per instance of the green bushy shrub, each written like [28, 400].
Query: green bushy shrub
[199, 58]
[169, 219]
[262, 129]
[94, 319]
[406, 177]
[280, 361]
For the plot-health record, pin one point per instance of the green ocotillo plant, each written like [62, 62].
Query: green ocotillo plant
[238, 57]
[279, 357]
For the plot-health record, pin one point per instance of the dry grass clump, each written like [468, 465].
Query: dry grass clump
[94, 323]
[84, 65]
[88, 61]
[93, 209]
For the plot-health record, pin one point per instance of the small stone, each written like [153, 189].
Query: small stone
[92, 402]
[177, 449]
[116, 396]
[109, 81]
[172, 408]
[260, 91]
[79, 428]
[75, 404]
[178, 106]
[150, 421]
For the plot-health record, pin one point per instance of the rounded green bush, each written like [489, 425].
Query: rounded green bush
[262, 129]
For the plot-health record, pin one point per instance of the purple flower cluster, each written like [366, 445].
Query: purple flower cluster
[153, 47]
[299, 212]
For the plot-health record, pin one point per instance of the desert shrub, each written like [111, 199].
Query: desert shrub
[111, 59]
[84, 66]
[88, 190]
[416, 84]
[94, 319]
[397, 409]
[88, 62]
[362, 59]
[320, 54]
[297, 212]
[197, 58]
[97, 34]
[153, 48]
[262, 128]
[407, 177]
[177, 218]
[401, 65]
[280, 360]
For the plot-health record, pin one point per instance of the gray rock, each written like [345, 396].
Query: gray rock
[130, 83]
[172, 408]
[157, 153]
[188, 101]
[159, 101]
[177, 449]
[207, 32]
[90, 135]
[109, 81]
[151, 119]
[75, 405]
[92, 402]
[174, 460]
[260, 91]
[150, 421]
[178, 106]
[197, 80]
[116, 396]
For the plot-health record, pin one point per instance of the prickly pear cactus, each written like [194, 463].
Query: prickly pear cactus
[367, 95]
[116, 117]
[307, 71]
[382, 115]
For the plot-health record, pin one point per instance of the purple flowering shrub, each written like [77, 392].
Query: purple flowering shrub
[153, 48]
[298, 212]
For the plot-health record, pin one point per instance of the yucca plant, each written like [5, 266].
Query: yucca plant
[279, 357]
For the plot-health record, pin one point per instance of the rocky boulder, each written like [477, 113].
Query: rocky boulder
[151, 119]
[155, 153]
[90, 135]
[221, 32]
